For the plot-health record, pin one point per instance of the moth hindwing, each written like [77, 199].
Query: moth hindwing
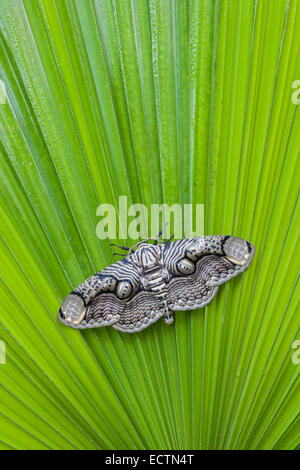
[155, 281]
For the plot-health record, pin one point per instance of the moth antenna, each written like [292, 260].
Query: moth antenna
[118, 254]
[130, 252]
[118, 246]
[155, 240]
[170, 238]
[160, 233]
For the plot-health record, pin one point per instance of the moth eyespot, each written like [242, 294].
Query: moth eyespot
[124, 289]
[192, 254]
[108, 284]
[185, 266]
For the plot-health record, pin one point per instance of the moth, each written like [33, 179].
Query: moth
[154, 281]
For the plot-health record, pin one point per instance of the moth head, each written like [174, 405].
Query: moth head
[72, 311]
[238, 251]
[146, 255]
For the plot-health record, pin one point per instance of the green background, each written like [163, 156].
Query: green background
[162, 101]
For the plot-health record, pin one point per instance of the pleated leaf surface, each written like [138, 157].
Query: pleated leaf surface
[161, 101]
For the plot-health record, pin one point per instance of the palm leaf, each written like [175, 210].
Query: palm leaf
[159, 101]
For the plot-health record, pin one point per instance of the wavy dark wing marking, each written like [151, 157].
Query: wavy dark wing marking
[194, 291]
[198, 289]
[140, 312]
[104, 310]
[98, 292]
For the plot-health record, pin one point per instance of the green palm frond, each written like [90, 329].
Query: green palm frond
[171, 101]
